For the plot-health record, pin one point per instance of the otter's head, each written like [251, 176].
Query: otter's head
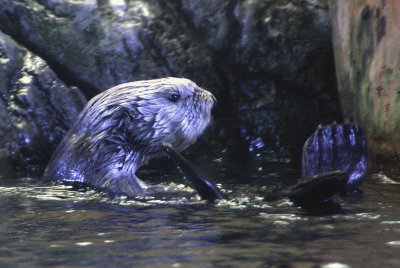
[176, 108]
[147, 113]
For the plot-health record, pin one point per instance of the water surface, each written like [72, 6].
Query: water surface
[57, 225]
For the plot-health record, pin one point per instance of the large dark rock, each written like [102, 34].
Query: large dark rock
[99, 44]
[36, 108]
[269, 63]
[284, 70]
[276, 61]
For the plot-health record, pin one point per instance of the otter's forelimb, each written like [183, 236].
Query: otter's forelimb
[199, 181]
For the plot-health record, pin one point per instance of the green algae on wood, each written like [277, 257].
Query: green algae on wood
[367, 56]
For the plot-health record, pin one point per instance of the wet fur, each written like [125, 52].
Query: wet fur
[124, 127]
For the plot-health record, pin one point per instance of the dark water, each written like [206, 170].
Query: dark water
[57, 226]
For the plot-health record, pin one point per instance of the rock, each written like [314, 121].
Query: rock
[367, 53]
[318, 189]
[277, 63]
[269, 63]
[99, 44]
[36, 108]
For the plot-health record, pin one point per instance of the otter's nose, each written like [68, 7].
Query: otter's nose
[213, 99]
[208, 96]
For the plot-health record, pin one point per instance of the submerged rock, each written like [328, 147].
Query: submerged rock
[36, 108]
[319, 189]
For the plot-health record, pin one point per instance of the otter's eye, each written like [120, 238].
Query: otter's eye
[174, 97]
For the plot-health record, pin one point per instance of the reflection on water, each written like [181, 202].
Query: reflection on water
[56, 225]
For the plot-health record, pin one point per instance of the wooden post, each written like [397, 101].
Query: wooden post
[366, 39]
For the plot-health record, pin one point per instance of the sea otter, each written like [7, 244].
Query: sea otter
[124, 127]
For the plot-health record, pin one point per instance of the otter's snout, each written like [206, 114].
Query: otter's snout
[212, 98]
[207, 97]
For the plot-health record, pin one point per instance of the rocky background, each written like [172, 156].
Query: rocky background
[269, 63]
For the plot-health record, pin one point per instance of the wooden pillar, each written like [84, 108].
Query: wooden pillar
[366, 39]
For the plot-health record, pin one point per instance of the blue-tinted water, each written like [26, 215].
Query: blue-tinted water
[55, 225]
